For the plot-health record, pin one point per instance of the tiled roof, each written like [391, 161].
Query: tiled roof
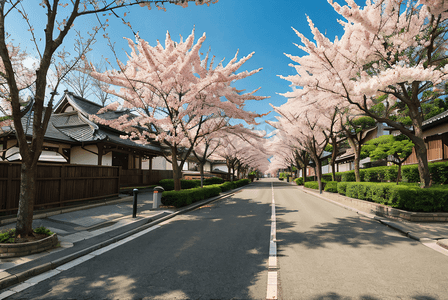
[436, 119]
[72, 125]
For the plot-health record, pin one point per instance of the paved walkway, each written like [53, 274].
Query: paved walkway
[83, 224]
[83, 231]
[425, 232]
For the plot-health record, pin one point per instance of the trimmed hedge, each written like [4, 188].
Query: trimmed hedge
[438, 171]
[187, 197]
[299, 181]
[227, 186]
[342, 187]
[230, 185]
[313, 184]
[408, 197]
[325, 178]
[213, 180]
[331, 186]
[168, 184]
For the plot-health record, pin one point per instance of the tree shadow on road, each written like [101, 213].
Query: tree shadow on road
[219, 251]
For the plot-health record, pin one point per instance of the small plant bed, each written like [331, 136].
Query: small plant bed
[8, 236]
[42, 240]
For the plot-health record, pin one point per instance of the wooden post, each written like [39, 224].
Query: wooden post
[5, 145]
[100, 154]
[119, 174]
[9, 187]
[62, 185]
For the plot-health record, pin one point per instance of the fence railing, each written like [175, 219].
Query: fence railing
[59, 184]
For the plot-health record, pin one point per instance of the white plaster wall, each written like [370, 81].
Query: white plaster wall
[83, 157]
[207, 166]
[344, 167]
[220, 167]
[107, 159]
[159, 163]
[145, 164]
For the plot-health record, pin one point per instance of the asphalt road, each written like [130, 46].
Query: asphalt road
[327, 252]
[221, 250]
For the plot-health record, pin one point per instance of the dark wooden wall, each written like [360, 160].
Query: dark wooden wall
[135, 177]
[59, 184]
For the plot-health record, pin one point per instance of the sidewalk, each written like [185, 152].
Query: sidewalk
[82, 231]
[428, 233]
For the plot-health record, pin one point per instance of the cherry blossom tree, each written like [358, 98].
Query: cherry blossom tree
[389, 61]
[58, 18]
[173, 93]
[243, 148]
[309, 125]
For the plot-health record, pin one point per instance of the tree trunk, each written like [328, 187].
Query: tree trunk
[319, 174]
[177, 172]
[423, 168]
[201, 170]
[356, 165]
[333, 158]
[28, 176]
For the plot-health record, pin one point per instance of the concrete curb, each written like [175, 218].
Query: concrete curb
[151, 221]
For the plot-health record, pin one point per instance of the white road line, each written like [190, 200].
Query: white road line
[44, 276]
[271, 291]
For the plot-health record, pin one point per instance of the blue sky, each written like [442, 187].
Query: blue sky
[262, 26]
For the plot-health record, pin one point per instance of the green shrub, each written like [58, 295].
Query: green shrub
[187, 197]
[342, 187]
[283, 175]
[7, 236]
[375, 174]
[413, 198]
[410, 173]
[327, 177]
[312, 185]
[43, 230]
[339, 176]
[299, 181]
[439, 172]
[331, 186]
[359, 190]
[348, 176]
[408, 197]
[213, 180]
[242, 182]
[226, 186]
[168, 184]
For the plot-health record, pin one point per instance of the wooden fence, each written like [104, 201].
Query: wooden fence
[437, 149]
[59, 184]
[135, 177]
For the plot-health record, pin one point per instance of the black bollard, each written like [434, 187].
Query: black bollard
[134, 208]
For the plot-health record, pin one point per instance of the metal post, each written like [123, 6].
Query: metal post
[134, 208]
